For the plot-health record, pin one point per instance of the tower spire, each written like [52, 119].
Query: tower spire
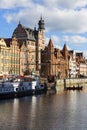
[41, 17]
[41, 24]
[19, 22]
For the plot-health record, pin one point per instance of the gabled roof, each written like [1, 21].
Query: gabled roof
[65, 48]
[2, 42]
[23, 32]
[50, 44]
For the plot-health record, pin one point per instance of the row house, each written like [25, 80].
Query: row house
[9, 56]
[26, 53]
[4, 57]
[22, 53]
[82, 63]
[73, 66]
[62, 63]
[83, 69]
[16, 59]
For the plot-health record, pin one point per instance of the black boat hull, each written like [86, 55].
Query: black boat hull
[18, 94]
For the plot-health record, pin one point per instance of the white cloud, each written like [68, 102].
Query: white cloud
[69, 4]
[29, 16]
[63, 16]
[67, 21]
[63, 4]
[57, 19]
[4, 4]
[47, 40]
[56, 40]
[76, 39]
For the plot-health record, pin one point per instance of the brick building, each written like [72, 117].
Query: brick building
[54, 61]
[82, 64]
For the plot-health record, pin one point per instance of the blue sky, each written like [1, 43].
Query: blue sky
[65, 20]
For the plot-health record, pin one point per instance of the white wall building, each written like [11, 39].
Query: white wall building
[83, 69]
[73, 69]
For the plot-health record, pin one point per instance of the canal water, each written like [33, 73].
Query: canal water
[63, 111]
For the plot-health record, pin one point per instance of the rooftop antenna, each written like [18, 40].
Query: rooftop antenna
[41, 17]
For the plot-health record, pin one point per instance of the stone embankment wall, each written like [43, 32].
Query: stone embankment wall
[61, 84]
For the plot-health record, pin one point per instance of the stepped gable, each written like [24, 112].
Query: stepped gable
[65, 52]
[65, 48]
[23, 32]
[50, 44]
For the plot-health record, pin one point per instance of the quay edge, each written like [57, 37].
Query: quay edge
[63, 84]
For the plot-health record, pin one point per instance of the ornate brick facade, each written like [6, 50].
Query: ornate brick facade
[54, 61]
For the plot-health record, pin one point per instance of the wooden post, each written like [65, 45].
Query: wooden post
[64, 84]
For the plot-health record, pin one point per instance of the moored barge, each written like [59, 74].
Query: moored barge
[26, 87]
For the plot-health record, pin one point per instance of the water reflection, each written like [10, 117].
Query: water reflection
[66, 110]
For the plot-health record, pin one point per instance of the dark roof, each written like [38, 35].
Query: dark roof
[8, 41]
[79, 54]
[65, 48]
[25, 33]
[71, 51]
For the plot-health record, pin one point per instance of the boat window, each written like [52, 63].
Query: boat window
[41, 85]
[29, 79]
[29, 83]
[23, 88]
[16, 89]
[21, 83]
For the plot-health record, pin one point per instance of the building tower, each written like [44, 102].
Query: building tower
[40, 44]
